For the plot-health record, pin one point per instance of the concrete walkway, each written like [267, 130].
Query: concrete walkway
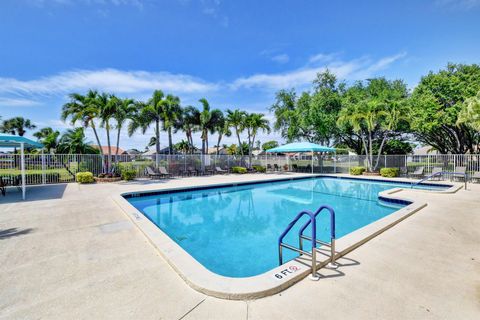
[70, 253]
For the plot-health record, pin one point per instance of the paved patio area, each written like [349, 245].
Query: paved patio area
[70, 252]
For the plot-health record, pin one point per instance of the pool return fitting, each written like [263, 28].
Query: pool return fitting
[313, 239]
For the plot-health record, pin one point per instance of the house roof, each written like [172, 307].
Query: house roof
[105, 149]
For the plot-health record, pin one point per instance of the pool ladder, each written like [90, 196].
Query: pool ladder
[313, 238]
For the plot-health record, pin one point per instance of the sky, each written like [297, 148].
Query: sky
[236, 54]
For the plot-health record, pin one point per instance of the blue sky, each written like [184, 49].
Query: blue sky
[236, 54]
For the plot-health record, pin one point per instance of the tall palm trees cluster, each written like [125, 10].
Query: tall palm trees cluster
[162, 113]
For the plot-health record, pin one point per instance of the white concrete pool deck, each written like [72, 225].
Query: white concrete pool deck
[70, 252]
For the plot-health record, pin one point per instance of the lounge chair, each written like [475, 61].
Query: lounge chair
[418, 173]
[476, 177]
[459, 173]
[3, 187]
[220, 170]
[152, 173]
[192, 171]
[163, 172]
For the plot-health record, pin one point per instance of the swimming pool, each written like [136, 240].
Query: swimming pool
[233, 230]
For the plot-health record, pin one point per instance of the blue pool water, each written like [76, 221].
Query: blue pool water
[233, 231]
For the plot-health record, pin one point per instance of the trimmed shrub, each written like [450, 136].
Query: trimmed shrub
[240, 170]
[389, 172]
[356, 171]
[85, 177]
[259, 168]
[129, 174]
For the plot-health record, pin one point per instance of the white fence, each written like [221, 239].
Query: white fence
[45, 169]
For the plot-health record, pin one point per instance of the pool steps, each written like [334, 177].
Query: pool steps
[313, 239]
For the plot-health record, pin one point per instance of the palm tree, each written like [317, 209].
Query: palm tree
[17, 126]
[83, 108]
[183, 146]
[125, 110]
[48, 137]
[73, 142]
[236, 119]
[171, 113]
[189, 122]
[108, 106]
[208, 122]
[223, 129]
[150, 113]
[253, 123]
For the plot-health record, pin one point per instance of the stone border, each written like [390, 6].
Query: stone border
[265, 284]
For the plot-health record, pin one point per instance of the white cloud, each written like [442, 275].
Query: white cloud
[352, 70]
[281, 58]
[109, 80]
[321, 57]
[18, 102]
[212, 8]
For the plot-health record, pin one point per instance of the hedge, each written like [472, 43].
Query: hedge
[239, 170]
[128, 174]
[356, 171]
[389, 172]
[260, 168]
[85, 177]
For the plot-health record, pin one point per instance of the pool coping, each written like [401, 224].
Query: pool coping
[268, 283]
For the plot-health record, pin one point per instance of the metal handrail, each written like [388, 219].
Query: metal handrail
[301, 236]
[282, 245]
[464, 174]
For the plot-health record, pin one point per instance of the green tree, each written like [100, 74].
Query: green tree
[189, 122]
[374, 108]
[183, 146]
[208, 122]
[236, 120]
[150, 113]
[436, 104]
[125, 110]
[470, 112]
[171, 114]
[73, 141]
[222, 128]
[48, 137]
[17, 126]
[83, 108]
[269, 145]
[254, 122]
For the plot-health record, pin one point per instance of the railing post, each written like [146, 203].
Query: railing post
[44, 178]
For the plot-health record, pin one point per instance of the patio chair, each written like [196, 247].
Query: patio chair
[275, 167]
[418, 173]
[3, 187]
[295, 168]
[192, 171]
[164, 173]
[476, 177]
[152, 174]
[460, 173]
[220, 170]
[269, 167]
[404, 172]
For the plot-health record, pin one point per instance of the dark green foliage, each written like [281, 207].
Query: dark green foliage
[357, 171]
[389, 172]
